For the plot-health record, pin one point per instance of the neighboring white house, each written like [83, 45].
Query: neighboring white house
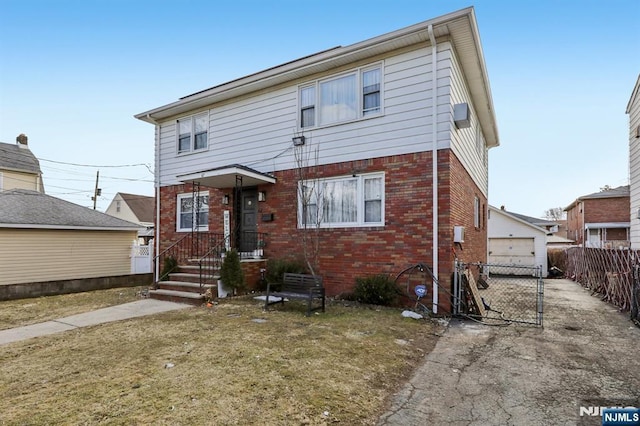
[633, 109]
[134, 208]
[515, 241]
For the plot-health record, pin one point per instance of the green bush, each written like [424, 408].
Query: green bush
[231, 273]
[276, 268]
[376, 290]
[169, 265]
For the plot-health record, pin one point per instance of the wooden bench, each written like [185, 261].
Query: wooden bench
[298, 286]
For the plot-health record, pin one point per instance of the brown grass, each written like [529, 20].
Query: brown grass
[340, 366]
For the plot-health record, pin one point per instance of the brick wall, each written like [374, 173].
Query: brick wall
[607, 210]
[347, 253]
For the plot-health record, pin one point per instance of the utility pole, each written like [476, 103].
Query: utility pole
[97, 192]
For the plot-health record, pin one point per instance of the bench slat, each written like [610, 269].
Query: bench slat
[299, 286]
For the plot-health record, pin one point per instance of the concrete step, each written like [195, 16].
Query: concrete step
[185, 287]
[177, 296]
[192, 277]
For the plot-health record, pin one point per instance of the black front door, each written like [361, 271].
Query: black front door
[248, 214]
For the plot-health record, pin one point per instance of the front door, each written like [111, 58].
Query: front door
[248, 214]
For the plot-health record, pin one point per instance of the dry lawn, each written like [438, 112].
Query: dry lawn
[232, 364]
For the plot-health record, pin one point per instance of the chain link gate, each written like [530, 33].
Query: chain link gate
[635, 296]
[499, 293]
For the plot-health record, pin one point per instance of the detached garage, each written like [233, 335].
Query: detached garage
[51, 246]
[514, 241]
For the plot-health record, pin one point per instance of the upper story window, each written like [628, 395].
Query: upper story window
[476, 212]
[342, 98]
[192, 133]
[193, 212]
[343, 202]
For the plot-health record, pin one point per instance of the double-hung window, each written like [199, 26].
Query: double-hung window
[193, 212]
[342, 202]
[192, 133]
[342, 98]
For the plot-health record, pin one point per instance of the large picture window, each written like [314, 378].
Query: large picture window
[342, 202]
[341, 98]
[192, 208]
[192, 133]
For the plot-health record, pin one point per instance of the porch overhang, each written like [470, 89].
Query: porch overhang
[227, 176]
[607, 225]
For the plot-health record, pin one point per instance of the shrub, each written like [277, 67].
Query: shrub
[169, 265]
[376, 290]
[276, 268]
[231, 273]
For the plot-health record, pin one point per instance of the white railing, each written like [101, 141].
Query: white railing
[142, 258]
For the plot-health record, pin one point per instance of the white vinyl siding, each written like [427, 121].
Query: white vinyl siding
[346, 201]
[634, 172]
[18, 180]
[468, 144]
[63, 254]
[256, 130]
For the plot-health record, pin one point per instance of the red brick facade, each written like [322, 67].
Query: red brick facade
[347, 253]
[598, 210]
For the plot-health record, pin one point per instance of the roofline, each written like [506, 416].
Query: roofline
[635, 92]
[67, 227]
[288, 70]
[517, 219]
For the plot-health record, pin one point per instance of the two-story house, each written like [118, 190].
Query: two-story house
[633, 110]
[19, 168]
[600, 219]
[371, 152]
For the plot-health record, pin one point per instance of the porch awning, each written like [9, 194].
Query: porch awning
[225, 177]
[607, 225]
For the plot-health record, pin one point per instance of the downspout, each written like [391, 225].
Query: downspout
[434, 159]
[156, 179]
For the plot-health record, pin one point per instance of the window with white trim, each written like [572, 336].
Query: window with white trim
[476, 212]
[192, 133]
[190, 208]
[341, 98]
[342, 202]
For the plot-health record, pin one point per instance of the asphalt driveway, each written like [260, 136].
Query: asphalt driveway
[587, 354]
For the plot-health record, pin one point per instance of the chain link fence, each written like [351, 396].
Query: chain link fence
[494, 293]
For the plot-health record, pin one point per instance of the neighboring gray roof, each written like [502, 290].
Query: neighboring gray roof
[533, 220]
[141, 205]
[13, 157]
[22, 208]
[518, 218]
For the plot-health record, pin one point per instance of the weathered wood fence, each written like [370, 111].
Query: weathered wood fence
[612, 273]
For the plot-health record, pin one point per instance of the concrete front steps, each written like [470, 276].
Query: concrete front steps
[183, 286]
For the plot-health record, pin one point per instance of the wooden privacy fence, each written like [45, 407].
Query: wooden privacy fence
[608, 272]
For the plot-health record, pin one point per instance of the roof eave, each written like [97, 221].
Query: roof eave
[474, 66]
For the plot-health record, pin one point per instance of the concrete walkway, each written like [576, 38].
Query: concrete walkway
[135, 309]
[586, 355]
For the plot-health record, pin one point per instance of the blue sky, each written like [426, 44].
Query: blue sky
[73, 74]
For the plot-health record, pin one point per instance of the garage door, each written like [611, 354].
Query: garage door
[512, 251]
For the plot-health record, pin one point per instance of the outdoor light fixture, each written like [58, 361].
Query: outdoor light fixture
[262, 196]
[298, 140]
[225, 199]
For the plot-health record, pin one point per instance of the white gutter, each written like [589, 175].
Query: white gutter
[434, 166]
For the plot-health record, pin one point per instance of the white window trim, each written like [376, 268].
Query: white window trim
[476, 212]
[179, 197]
[193, 136]
[360, 223]
[360, 116]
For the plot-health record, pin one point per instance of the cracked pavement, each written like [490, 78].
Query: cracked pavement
[586, 354]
